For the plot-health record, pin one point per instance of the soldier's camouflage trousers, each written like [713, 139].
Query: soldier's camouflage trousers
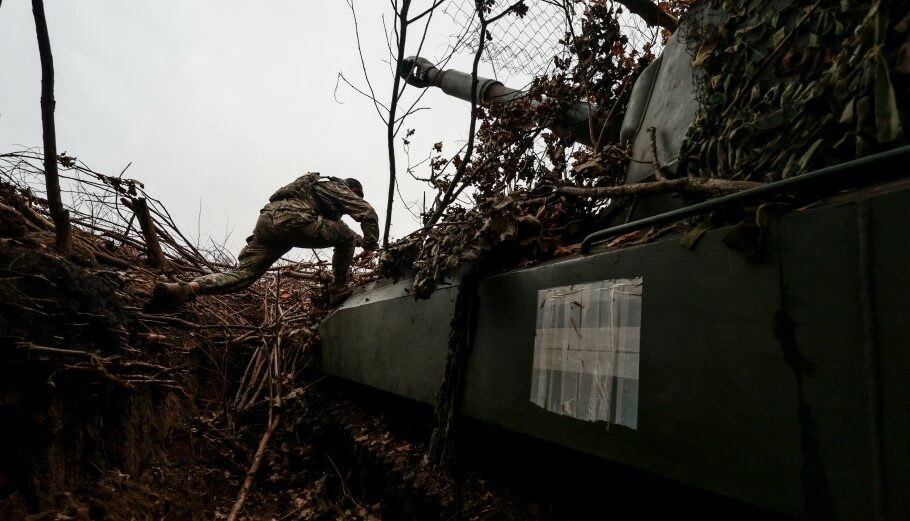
[277, 231]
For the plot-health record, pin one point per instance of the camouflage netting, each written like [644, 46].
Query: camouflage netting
[791, 86]
[519, 228]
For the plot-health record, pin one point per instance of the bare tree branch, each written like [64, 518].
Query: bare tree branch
[390, 113]
[363, 64]
[651, 13]
[701, 186]
[393, 106]
[362, 93]
[429, 10]
[462, 37]
[450, 193]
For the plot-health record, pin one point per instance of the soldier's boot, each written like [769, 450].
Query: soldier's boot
[339, 290]
[337, 295]
[341, 264]
[168, 296]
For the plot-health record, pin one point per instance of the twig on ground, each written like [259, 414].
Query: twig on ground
[254, 467]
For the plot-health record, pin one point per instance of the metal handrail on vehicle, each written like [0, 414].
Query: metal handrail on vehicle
[776, 187]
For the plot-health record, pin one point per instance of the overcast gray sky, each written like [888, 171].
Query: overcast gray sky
[221, 102]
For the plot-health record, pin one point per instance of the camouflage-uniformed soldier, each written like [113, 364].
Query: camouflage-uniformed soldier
[303, 214]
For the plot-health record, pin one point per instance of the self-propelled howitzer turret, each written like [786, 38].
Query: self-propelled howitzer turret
[663, 97]
[578, 123]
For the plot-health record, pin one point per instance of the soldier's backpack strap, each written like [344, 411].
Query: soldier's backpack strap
[299, 188]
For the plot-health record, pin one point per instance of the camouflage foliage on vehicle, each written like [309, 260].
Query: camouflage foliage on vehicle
[787, 87]
[507, 230]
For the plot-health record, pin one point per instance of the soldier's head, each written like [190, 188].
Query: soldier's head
[355, 186]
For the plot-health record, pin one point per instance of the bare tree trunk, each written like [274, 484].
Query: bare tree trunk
[651, 13]
[393, 109]
[58, 214]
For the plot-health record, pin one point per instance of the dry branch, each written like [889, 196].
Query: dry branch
[55, 350]
[658, 170]
[254, 468]
[190, 325]
[685, 185]
[105, 375]
[140, 208]
[651, 13]
[110, 259]
[95, 205]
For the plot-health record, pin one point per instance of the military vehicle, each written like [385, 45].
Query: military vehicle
[781, 381]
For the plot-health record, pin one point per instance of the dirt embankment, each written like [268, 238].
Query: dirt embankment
[97, 410]
[110, 412]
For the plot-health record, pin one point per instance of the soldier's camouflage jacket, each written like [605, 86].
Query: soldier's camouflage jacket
[312, 196]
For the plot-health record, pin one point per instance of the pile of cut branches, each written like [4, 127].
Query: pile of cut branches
[234, 358]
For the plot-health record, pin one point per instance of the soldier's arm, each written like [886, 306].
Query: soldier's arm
[358, 209]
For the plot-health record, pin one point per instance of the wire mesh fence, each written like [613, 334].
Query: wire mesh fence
[528, 44]
[517, 44]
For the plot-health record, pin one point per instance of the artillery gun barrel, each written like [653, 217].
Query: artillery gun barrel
[579, 122]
